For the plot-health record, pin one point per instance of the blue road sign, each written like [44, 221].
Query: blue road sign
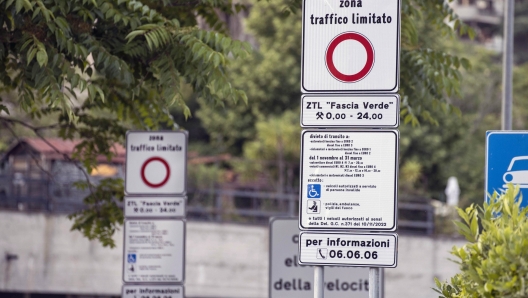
[507, 161]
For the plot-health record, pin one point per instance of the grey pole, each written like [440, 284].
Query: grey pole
[374, 282]
[507, 65]
[382, 282]
[318, 281]
[291, 207]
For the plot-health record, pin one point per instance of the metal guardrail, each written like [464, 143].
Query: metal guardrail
[221, 205]
[253, 207]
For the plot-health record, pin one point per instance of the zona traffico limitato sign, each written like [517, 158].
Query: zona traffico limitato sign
[350, 46]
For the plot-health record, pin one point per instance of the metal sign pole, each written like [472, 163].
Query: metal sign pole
[382, 282]
[330, 97]
[507, 72]
[318, 281]
[374, 282]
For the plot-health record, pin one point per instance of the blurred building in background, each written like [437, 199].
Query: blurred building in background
[39, 175]
[485, 17]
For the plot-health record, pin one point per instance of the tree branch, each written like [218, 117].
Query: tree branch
[33, 128]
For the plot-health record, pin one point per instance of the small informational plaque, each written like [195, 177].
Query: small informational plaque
[333, 110]
[154, 207]
[347, 249]
[349, 179]
[150, 291]
[154, 251]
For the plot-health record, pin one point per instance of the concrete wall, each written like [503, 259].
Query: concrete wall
[53, 259]
[223, 260]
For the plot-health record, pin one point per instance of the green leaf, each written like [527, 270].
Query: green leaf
[27, 5]
[75, 80]
[19, 5]
[216, 59]
[31, 54]
[488, 287]
[47, 15]
[91, 92]
[42, 58]
[465, 231]
[463, 214]
[148, 27]
[244, 97]
[471, 33]
[100, 92]
[110, 13]
[474, 226]
[28, 42]
[465, 63]
[247, 46]
[133, 34]
[145, 10]
[9, 3]
[437, 282]
[36, 12]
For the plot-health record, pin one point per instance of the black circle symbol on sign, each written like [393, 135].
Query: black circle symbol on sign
[144, 166]
[363, 40]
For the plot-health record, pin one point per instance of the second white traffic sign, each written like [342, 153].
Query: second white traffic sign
[156, 163]
[349, 180]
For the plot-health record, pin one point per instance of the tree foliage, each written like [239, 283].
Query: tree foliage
[120, 52]
[271, 76]
[456, 147]
[273, 152]
[429, 74]
[101, 67]
[520, 31]
[494, 262]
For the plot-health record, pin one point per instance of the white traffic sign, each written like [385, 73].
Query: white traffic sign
[156, 163]
[154, 251]
[349, 179]
[288, 279]
[155, 207]
[349, 110]
[350, 46]
[346, 249]
[150, 291]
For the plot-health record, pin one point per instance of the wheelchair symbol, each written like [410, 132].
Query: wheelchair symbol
[131, 258]
[314, 191]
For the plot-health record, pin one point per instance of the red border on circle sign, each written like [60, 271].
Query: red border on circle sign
[330, 57]
[144, 166]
